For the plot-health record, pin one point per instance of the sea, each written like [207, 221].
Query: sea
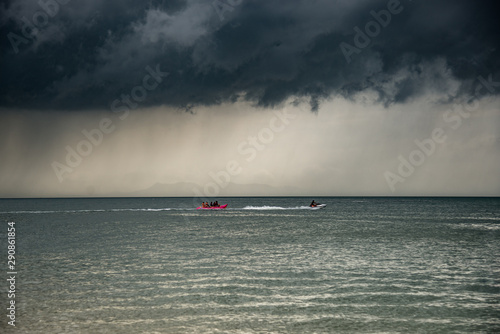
[263, 265]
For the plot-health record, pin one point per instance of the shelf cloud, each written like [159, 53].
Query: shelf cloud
[67, 55]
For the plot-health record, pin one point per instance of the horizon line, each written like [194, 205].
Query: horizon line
[261, 196]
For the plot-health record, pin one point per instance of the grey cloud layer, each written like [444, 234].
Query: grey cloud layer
[89, 53]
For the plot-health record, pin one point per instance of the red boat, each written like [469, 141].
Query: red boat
[212, 207]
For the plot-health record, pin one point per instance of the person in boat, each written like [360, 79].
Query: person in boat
[216, 204]
[313, 204]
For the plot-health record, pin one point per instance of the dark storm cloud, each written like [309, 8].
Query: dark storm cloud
[87, 54]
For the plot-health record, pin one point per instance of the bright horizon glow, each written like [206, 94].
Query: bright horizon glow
[343, 150]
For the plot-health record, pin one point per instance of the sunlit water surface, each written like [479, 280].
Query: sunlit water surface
[264, 265]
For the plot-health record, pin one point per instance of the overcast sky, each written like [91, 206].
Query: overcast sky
[249, 97]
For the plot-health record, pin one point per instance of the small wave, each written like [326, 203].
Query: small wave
[53, 211]
[482, 218]
[13, 212]
[84, 211]
[472, 217]
[485, 226]
[267, 207]
[147, 209]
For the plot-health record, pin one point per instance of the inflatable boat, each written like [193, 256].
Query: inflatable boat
[212, 207]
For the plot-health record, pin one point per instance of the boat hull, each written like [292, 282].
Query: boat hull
[212, 208]
[319, 206]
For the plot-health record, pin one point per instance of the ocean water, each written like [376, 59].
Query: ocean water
[264, 265]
